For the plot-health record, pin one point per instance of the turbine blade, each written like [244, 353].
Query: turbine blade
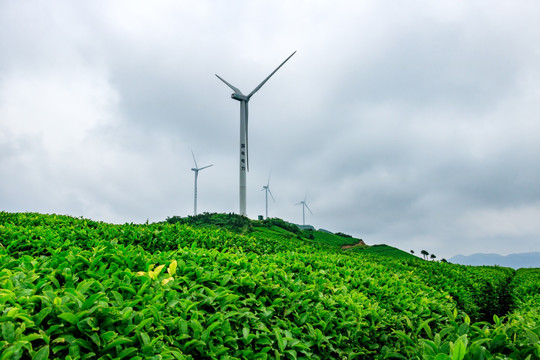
[268, 183]
[308, 208]
[271, 195]
[269, 76]
[196, 166]
[236, 90]
[206, 167]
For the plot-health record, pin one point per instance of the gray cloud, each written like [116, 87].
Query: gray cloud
[411, 124]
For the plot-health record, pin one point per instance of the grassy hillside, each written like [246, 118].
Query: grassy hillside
[230, 288]
[263, 228]
[384, 250]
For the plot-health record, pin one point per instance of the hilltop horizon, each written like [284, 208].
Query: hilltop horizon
[458, 258]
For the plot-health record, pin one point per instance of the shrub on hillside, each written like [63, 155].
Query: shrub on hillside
[233, 222]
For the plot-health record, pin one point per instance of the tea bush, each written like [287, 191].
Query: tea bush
[73, 288]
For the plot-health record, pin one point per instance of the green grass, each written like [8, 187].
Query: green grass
[384, 250]
[332, 239]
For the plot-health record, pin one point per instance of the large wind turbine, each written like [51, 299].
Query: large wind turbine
[267, 189]
[304, 206]
[196, 169]
[244, 159]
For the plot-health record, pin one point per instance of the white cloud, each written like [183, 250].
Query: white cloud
[60, 108]
[512, 222]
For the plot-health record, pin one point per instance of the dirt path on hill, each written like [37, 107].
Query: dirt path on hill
[360, 243]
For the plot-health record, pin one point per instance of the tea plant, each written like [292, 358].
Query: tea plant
[78, 289]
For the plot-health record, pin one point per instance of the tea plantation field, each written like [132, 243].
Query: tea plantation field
[225, 287]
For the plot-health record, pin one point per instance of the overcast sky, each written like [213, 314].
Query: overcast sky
[410, 123]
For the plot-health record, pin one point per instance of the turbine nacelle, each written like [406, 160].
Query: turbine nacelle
[239, 97]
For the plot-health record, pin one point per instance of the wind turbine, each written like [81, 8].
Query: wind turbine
[304, 206]
[196, 169]
[244, 160]
[267, 188]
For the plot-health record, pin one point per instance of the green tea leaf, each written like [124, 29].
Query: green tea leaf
[533, 338]
[42, 354]
[109, 336]
[8, 331]
[118, 341]
[118, 298]
[127, 352]
[280, 341]
[144, 338]
[263, 340]
[442, 357]
[459, 351]
[69, 317]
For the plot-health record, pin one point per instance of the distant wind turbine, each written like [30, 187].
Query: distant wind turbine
[267, 188]
[196, 169]
[304, 206]
[244, 159]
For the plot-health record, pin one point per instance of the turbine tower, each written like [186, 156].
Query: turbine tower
[244, 160]
[196, 169]
[304, 206]
[267, 188]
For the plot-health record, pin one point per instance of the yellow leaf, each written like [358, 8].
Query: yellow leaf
[158, 269]
[172, 268]
[165, 281]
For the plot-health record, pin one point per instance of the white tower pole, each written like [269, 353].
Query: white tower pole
[195, 194]
[267, 203]
[243, 160]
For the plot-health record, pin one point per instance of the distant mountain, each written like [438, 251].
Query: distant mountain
[516, 261]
